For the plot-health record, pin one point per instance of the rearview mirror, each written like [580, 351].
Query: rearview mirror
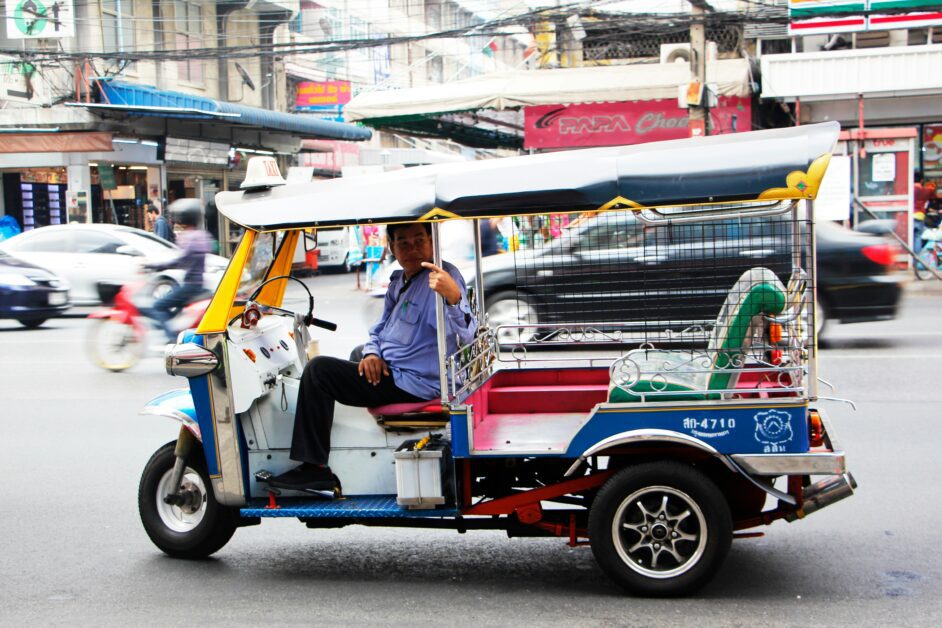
[127, 249]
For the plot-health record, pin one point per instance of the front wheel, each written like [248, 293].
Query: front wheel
[660, 529]
[114, 345]
[196, 528]
[927, 259]
[31, 323]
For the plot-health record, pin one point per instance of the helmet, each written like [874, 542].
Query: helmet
[186, 211]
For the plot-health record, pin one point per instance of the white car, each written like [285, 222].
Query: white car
[86, 254]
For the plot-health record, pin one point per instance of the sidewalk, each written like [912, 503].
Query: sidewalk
[911, 285]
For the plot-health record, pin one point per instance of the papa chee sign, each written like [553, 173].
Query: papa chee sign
[615, 123]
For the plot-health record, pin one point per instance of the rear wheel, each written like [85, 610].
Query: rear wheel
[660, 529]
[162, 288]
[196, 528]
[511, 308]
[114, 345]
[31, 323]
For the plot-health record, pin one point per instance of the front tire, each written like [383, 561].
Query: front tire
[927, 259]
[660, 529]
[196, 529]
[114, 345]
[31, 323]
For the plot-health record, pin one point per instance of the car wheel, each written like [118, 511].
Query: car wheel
[820, 317]
[660, 529]
[31, 323]
[198, 527]
[511, 309]
[162, 288]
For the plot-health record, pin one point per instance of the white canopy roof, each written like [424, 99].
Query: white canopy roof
[508, 90]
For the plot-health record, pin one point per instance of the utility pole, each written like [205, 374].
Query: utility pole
[698, 119]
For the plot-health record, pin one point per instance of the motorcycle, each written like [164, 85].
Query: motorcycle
[119, 334]
[930, 255]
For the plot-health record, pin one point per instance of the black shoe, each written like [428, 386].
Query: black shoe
[307, 477]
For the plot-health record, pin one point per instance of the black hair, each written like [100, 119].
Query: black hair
[391, 229]
[151, 208]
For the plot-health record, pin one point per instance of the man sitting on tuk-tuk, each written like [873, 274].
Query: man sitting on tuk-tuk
[400, 362]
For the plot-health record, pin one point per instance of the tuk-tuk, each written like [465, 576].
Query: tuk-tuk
[654, 412]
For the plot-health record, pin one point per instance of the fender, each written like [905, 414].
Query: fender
[122, 316]
[646, 436]
[674, 438]
[177, 405]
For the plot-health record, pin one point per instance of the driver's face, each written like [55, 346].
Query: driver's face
[412, 245]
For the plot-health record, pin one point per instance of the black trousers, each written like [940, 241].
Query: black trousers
[324, 381]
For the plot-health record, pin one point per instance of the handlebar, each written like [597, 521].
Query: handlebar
[322, 324]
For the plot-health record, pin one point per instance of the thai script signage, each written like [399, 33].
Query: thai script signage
[616, 123]
[319, 95]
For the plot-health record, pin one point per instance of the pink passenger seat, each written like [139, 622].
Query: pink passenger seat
[418, 415]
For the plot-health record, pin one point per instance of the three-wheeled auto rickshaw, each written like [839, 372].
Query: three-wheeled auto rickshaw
[655, 397]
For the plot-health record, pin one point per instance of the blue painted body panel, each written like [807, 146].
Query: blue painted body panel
[765, 427]
[384, 506]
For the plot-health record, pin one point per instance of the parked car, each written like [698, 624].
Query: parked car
[30, 294]
[88, 254]
[338, 248]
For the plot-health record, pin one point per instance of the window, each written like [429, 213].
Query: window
[117, 25]
[94, 242]
[49, 242]
[188, 35]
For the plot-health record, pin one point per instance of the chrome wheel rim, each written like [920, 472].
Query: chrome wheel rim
[161, 290]
[185, 517]
[512, 312]
[659, 532]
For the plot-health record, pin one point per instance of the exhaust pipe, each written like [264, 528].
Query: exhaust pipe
[823, 493]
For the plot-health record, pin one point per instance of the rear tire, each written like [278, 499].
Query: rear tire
[512, 308]
[197, 529]
[31, 323]
[113, 345]
[660, 529]
[162, 288]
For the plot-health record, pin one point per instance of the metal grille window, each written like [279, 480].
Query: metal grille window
[117, 25]
[649, 282]
[188, 35]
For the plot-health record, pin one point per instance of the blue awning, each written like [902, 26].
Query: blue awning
[146, 100]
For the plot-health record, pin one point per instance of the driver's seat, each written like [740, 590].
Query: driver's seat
[418, 415]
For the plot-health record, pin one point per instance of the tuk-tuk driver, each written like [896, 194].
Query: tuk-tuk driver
[400, 361]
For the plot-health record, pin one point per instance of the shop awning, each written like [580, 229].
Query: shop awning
[145, 100]
[508, 90]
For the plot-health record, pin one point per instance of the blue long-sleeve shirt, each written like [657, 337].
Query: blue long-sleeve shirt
[405, 336]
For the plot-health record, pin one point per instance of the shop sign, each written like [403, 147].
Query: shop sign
[612, 124]
[932, 147]
[196, 151]
[826, 17]
[106, 177]
[316, 95]
[40, 19]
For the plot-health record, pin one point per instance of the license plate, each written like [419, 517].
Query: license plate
[57, 298]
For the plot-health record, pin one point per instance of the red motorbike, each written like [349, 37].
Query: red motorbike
[119, 334]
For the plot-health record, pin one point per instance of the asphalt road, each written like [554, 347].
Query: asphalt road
[73, 550]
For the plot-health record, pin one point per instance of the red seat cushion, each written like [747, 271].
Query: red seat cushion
[390, 409]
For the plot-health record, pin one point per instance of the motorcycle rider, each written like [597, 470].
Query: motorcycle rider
[196, 243]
